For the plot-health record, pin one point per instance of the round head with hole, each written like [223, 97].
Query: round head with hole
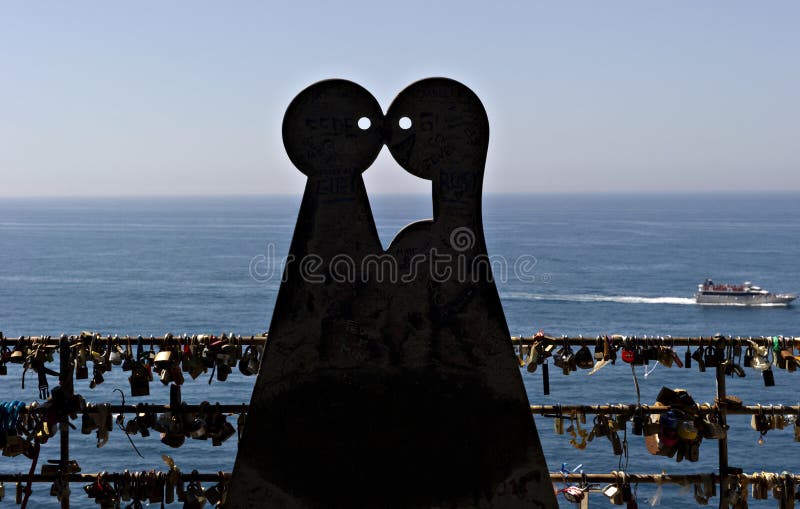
[333, 127]
[435, 124]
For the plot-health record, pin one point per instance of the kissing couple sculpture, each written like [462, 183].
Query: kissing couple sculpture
[388, 380]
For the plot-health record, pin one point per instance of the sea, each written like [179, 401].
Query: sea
[587, 264]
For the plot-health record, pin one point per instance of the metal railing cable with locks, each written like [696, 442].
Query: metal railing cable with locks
[198, 354]
[109, 488]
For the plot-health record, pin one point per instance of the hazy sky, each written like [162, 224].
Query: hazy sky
[187, 97]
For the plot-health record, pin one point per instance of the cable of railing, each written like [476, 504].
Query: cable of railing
[612, 477]
[545, 410]
[616, 340]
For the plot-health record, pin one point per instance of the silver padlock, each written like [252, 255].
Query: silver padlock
[613, 493]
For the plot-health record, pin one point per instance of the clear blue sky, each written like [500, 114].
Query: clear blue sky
[187, 97]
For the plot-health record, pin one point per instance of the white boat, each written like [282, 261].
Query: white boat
[744, 295]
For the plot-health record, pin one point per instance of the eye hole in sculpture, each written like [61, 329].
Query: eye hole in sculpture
[364, 123]
[404, 123]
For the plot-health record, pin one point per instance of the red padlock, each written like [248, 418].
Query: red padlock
[628, 354]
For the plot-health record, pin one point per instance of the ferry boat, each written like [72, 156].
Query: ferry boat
[743, 295]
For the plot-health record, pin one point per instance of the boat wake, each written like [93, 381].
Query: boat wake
[621, 299]
[736, 304]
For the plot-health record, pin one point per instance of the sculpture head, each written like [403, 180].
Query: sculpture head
[435, 125]
[333, 127]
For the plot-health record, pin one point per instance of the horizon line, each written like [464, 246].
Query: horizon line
[408, 194]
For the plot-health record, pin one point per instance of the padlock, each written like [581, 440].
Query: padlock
[652, 352]
[711, 357]
[699, 354]
[195, 496]
[15, 445]
[244, 362]
[668, 430]
[687, 430]
[140, 385]
[223, 370]
[173, 440]
[628, 354]
[81, 369]
[614, 494]
[163, 360]
[627, 492]
[637, 425]
[665, 358]
[599, 349]
[197, 430]
[115, 356]
[584, 358]
[769, 377]
[224, 434]
[150, 356]
[97, 377]
[213, 494]
[143, 425]
[760, 363]
[18, 355]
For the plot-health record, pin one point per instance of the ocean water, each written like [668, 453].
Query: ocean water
[584, 265]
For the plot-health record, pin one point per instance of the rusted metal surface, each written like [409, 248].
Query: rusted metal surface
[388, 379]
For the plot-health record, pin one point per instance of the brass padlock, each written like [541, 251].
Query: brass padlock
[18, 355]
[14, 445]
[163, 359]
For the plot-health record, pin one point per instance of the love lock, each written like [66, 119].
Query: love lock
[163, 359]
[248, 364]
[115, 354]
[139, 380]
[195, 497]
[584, 358]
[614, 494]
[573, 494]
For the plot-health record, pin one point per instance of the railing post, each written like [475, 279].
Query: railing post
[723, 442]
[65, 379]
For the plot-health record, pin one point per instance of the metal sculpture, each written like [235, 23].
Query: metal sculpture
[388, 379]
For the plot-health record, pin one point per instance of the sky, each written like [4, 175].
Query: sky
[103, 98]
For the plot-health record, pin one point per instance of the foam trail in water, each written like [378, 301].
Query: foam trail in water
[622, 299]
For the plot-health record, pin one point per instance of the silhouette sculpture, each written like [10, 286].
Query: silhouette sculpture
[388, 380]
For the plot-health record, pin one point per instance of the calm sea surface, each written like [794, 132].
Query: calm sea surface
[603, 265]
